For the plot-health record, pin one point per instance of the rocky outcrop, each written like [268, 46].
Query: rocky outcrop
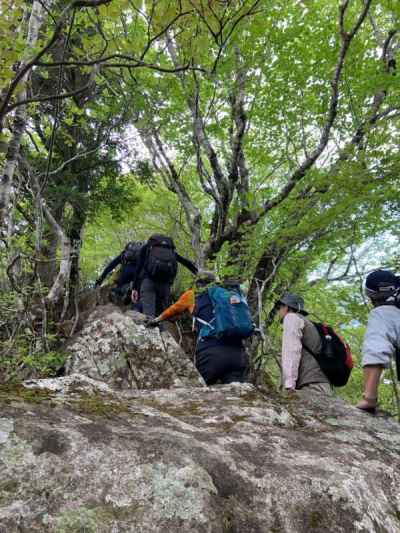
[90, 452]
[115, 347]
[76, 456]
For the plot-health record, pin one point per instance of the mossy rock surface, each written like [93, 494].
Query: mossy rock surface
[77, 456]
[115, 347]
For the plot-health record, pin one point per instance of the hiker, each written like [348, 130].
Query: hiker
[382, 336]
[156, 271]
[300, 369]
[125, 290]
[217, 359]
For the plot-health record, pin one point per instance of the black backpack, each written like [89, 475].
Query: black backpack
[161, 263]
[334, 358]
[131, 252]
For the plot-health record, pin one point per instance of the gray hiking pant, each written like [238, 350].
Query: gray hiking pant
[154, 297]
[321, 388]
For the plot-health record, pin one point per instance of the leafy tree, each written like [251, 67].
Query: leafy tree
[262, 136]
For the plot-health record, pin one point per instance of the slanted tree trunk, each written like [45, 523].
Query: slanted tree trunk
[19, 122]
[57, 290]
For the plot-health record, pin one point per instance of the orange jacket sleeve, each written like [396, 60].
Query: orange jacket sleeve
[185, 303]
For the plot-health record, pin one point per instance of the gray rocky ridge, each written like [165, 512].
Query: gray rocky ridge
[115, 347]
[80, 454]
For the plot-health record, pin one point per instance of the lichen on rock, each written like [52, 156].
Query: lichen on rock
[95, 452]
[115, 347]
[218, 459]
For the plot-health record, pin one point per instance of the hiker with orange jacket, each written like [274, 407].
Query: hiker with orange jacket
[217, 359]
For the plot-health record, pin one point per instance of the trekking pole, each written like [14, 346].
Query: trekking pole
[398, 363]
[395, 390]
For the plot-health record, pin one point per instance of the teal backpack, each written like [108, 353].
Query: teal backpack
[231, 316]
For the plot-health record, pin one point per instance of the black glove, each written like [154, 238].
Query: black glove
[97, 283]
[152, 323]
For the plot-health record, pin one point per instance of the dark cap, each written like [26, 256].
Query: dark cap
[293, 301]
[381, 284]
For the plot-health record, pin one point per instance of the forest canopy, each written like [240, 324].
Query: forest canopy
[262, 136]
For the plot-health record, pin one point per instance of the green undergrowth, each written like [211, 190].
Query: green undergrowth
[79, 403]
[96, 405]
[17, 392]
[20, 364]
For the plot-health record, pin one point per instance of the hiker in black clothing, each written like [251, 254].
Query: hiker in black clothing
[156, 270]
[126, 289]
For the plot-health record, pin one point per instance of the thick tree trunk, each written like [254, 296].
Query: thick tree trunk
[264, 276]
[260, 287]
[47, 262]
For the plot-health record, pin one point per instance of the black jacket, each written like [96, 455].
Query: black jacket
[128, 273]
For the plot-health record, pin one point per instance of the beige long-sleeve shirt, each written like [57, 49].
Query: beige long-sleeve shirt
[292, 347]
[299, 366]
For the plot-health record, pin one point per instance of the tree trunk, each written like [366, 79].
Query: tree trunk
[19, 122]
[75, 236]
[58, 289]
[47, 261]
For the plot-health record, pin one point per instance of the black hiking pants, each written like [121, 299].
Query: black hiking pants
[154, 297]
[224, 363]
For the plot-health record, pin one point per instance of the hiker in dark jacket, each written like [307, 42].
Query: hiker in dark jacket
[223, 360]
[156, 271]
[300, 369]
[382, 336]
[125, 290]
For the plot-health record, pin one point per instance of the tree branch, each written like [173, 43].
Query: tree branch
[76, 4]
[49, 98]
[346, 38]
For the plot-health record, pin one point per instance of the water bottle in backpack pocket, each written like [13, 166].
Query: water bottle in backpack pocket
[231, 316]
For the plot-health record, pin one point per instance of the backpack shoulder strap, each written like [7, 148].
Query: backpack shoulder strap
[195, 317]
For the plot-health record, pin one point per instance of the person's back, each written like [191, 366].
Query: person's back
[203, 311]
[127, 274]
[222, 359]
[217, 359]
[157, 268]
[300, 339]
[309, 369]
[382, 336]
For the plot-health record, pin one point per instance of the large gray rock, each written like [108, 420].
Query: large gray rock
[218, 460]
[115, 347]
